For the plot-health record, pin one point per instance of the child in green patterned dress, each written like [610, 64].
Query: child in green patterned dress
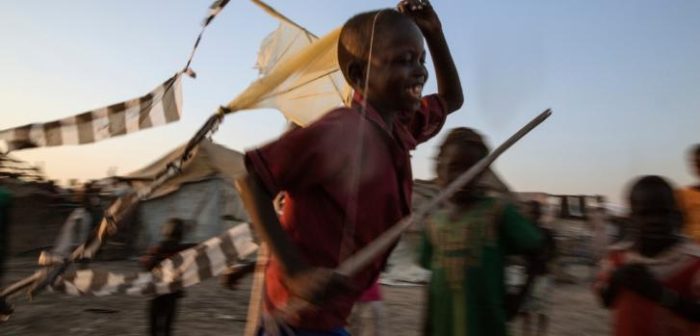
[465, 244]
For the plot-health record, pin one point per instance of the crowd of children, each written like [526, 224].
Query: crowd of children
[351, 169]
[346, 179]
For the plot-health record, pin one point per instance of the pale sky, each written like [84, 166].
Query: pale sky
[622, 77]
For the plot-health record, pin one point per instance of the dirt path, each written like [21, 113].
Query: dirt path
[208, 309]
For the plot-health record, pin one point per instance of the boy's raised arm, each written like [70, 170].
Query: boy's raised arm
[449, 85]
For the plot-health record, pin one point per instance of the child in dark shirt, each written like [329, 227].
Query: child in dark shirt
[162, 307]
[347, 176]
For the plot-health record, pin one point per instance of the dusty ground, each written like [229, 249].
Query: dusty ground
[209, 309]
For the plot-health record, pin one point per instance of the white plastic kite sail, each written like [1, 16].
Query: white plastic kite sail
[299, 74]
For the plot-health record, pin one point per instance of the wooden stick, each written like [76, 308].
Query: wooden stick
[367, 255]
[267, 8]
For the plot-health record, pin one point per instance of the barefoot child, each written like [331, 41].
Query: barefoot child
[653, 282]
[465, 244]
[347, 177]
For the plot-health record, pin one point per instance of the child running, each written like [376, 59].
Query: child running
[653, 282]
[347, 177]
[465, 245]
[162, 308]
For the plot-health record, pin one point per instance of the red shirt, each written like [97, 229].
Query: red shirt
[678, 269]
[328, 189]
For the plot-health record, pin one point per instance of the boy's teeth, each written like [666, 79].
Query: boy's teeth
[416, 90]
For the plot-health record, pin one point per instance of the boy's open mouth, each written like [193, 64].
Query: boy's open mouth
[416, 91]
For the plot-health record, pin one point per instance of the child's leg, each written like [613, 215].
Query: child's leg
[153, 316]
[377, 308]
[357, 319]
[169, 314]
[525, 324]
[542, 325]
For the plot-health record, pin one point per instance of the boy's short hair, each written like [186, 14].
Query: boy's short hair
[464, 136]
[356, 34]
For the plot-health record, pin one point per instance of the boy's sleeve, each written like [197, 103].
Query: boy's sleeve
[428, 121]
[305, 156]
[519, 235]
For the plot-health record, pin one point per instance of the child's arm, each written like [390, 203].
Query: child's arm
[637, 278]
[518, 234]
[150, 259]
[259, 204]
[311, 283]
[449, 85]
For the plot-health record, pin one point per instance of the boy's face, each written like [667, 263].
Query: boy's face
[454, 160]
[397, 73]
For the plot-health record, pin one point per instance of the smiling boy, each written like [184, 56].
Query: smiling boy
[347, 177]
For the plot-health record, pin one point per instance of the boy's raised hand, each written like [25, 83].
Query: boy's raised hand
[422, 14]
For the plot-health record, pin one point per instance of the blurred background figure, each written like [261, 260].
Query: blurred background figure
[162, 308]
[651, 282]
[465, 245]
[600, 237]
[538, 299]
[689, 198]
[368, 315]
[5, 201]
[80, 222]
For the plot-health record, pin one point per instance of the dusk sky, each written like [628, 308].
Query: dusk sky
[622, 77]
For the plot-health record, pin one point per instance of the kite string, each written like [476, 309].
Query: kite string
[348, 239]
[277, 320]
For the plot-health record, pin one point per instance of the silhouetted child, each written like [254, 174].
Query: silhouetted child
[465, 245]
[537, 301]
[653, 282]
[162, 308]
[347, 176]
[689, 198]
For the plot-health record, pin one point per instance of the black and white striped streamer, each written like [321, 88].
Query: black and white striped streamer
[161, 106]
[214, 10]
[187, 268]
